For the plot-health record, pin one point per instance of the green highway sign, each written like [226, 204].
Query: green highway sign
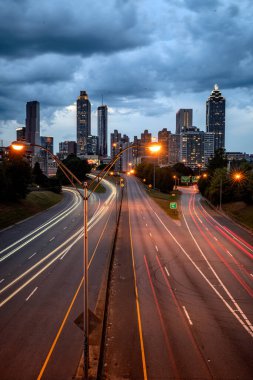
[173, 205]
[185, 179]
[195, 179]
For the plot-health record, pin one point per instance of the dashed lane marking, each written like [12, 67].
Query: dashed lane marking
[31, 294]
[187, 315]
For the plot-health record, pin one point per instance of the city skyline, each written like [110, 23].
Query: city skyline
[140, 69]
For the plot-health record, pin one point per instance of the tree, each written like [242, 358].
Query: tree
[38, 177]
[219, 160]
[181, 170]
[16, 175]
[77, 166]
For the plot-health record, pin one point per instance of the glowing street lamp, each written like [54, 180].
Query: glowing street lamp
[154, 148]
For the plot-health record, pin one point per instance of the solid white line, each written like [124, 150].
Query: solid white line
[1, 280]
[187, 315]
[30, 295]
[52, 238]
[167, 272]
[244, 321]
[32, 255]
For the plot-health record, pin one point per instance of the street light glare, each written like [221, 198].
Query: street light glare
[154, 148]
[17, 146]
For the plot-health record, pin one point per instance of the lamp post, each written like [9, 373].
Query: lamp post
[154, 148]
[19, 146]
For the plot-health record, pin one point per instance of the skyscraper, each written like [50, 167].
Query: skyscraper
[215, 117]
[183, 119]
[83, 122]
[32, 131]
[102, 130]
[192, 146]
[163, 139]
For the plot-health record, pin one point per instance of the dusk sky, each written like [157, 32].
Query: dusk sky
[147, 58]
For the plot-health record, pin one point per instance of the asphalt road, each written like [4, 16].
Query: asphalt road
[41, 294]
[192, 290]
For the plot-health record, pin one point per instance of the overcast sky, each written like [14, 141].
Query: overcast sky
[147, 58]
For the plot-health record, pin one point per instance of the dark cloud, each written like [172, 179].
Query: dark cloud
[141, 55]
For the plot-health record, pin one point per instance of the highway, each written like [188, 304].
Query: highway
[191, 280]
[41, 278]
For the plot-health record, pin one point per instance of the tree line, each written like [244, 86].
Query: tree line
[17, 178]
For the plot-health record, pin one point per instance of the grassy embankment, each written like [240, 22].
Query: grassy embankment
[240, 212]
[163, 200]
[36, 201]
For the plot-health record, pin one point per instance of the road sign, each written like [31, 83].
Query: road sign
[185, 179]
[173, 205]
[195, 179]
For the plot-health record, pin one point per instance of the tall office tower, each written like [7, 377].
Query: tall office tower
[32, 131]
[208, 146]
[192, 147]
[83, 122]
[102, 130]
[66, 148]
[115, 143]
[215, 117]
[48, 143]
[20, 134]
[146, 138]
[174, 149]
[163, 139]
[92, 145]
[183, 119]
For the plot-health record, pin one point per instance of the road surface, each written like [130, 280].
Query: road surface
[41, 294]
[191, 282]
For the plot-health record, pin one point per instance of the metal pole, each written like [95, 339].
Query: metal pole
[116, 200]
[86, 310]
[220, 192]
[154, 175]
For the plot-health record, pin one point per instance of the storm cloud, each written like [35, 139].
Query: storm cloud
[146, 58]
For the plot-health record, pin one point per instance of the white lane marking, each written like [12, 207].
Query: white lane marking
[30, 295]
[242, 319]
[32, 255]
[55, 220]
[52, 238]
[65, 228]
[187, 315]
[207, 229]
[2, 280]
[167, 272]
[64, 254]
[251, 274]
[150, 234]
[156, 248]
[229, 253]
[215, 238]
[146, 225]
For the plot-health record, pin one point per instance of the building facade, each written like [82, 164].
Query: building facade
[92, 145]
[215, 117]
[32, 130]
[192, 147]
[83, 122]
[163, 139]
[20, 134]
[66, 148]
[183, 119]
[102, 121]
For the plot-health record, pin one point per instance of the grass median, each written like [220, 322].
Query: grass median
[36, 201]
[166, 201]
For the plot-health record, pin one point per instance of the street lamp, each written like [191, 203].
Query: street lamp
[175, 178]
[154, 148]
[19, 146]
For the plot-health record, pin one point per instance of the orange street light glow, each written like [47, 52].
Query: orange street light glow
[154, 148]
[17, 147]
[237, 176]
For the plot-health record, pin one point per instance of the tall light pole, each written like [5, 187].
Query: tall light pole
[154, 148]
[19, 146]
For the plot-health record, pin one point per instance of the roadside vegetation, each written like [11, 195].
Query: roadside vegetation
[164, 200]
[25, 191]
[232, 189]
[36, 201]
